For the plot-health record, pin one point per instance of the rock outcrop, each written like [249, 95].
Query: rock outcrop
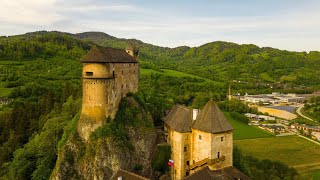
[127, 142]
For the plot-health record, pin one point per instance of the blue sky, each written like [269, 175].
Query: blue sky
[284, 24]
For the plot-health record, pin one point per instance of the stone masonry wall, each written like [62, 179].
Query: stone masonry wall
[104, 84]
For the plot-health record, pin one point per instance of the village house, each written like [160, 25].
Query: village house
[4, 101]
[273, 99]
[306, 127]
[259, 117]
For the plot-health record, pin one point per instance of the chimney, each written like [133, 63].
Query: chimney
[195, 114]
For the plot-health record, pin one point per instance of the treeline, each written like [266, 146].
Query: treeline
[313, 108]
[33, 106]
[42, 46]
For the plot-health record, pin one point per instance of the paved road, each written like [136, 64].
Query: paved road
[309, 139]
[300, 114]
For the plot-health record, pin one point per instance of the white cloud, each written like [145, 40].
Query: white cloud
[28, 12]
[297, 29]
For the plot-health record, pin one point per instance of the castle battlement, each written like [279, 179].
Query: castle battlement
[108, 74]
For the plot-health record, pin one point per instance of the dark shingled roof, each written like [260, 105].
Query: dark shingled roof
[228, 173]
[107, 55]
[126, 176]
[211, 119]
[179, 118]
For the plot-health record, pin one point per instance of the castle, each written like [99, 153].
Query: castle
[201, 143]
[108, 74]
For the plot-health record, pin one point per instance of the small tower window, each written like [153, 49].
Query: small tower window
[122, 72]
[89, 73]
[218, 154]
[185, 149]
[221, 139]
[200, 137]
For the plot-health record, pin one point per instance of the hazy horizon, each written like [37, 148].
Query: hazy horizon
[287, 25]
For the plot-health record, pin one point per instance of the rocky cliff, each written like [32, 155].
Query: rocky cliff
[127, 142]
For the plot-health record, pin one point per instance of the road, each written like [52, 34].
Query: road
[309, 139]
[300, 114]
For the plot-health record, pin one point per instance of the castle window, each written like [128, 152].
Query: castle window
[200, 137]
[187, 173]
[218, 154]
[122, 86]
[89, 73]
[187, 163]
[122, 72]
[112, 73]
[185, 149]
[221, 139]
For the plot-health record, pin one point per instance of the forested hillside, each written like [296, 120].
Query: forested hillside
[40, 72]
[248, 67]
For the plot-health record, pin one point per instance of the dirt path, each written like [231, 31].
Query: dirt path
[306, 165]
[309, 139]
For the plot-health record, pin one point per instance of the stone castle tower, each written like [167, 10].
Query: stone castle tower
[198, 139]
[108, 74]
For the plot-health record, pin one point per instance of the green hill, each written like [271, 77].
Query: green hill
[41, 73]
[248, 65]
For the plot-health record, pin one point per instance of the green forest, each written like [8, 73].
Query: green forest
[40, 72]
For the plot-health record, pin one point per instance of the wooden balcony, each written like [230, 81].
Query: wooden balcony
[206, 161]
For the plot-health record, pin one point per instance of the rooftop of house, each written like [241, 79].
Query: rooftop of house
[107, 55]
[126, 175]
[180, 118]
[210, 119]
[228, 173]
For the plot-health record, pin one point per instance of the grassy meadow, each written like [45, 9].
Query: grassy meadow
[173, 73]
[291, 150]
[243, 131]
[5, 92]
[294, 151]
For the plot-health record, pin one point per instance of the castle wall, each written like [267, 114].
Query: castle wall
[222, 143]
[104, 84]
[201, 145]
[98, 70]
[180, 153]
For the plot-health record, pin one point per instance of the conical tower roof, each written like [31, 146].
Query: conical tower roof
[211, 119]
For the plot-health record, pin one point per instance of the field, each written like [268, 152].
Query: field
[243, 131]
[291, 150]
[294, 151]
[5, 91]
[174, 73]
